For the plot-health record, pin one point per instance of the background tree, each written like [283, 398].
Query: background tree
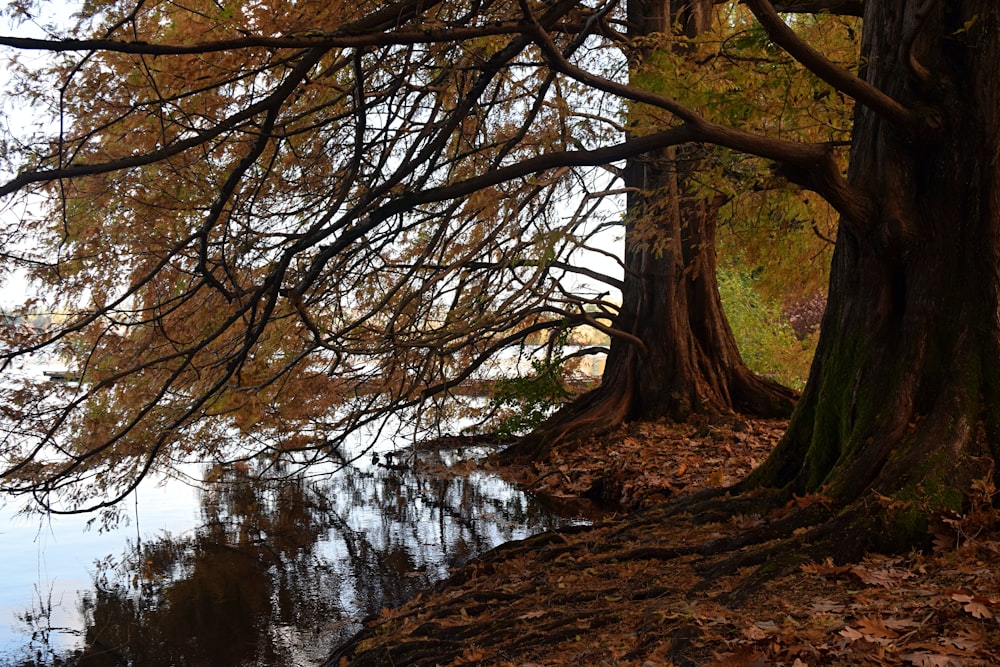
[678, 355]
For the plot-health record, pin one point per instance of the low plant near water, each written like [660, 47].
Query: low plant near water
[522, 403]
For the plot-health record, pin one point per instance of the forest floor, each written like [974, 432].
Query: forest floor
[632, 589]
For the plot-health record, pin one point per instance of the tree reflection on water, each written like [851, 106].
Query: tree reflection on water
[279, 572]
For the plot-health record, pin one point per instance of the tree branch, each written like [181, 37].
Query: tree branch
[837, 7]
[833, 74]
[329, 40]
[813, 164]
[590, 273]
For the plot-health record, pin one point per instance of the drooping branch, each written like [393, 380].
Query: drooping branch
[599, 276]
[833, 74]
[227, 189]
[541, 163]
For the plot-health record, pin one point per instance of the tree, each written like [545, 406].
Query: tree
[899, 414]
[675, 353]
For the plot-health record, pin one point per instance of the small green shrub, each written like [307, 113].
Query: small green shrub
[522, 403]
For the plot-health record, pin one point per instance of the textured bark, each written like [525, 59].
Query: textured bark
[671, 303]
[901, 408]
[688, 361]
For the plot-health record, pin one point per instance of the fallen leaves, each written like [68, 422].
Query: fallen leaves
[614, 594]
[872, 571]
[928, 659]
[876, 630]
[946, 651]
[825, 569]
[977, 605]
[627, 472]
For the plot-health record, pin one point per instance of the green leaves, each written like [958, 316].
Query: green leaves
[523, 402]
[764, 335]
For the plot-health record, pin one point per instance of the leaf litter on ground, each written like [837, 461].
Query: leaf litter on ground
[629, 591]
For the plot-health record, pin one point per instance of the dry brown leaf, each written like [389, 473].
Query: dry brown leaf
[944, 647]
[826, 607]
[825, 569]
[900, 623]
[928, 659]
[966, 641]
[888, 577]
[851, 634]
[976, 605]
[871, 630]
[753, 633]
[875, 627]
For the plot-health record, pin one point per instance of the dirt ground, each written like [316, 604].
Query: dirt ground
[642, 586]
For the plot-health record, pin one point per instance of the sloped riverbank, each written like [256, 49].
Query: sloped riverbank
[667, 583]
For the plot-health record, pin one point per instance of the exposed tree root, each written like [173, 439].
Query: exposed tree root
[731, 388]
[596, 412]
[658, 584]
[722, 504]
[517, 600]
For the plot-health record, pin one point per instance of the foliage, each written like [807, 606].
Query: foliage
[764, 334]
[268, 236]
[522, 403]
[784, 237]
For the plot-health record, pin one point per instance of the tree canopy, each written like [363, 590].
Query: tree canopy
[288, 224]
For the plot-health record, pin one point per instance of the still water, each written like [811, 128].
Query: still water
[232, 571]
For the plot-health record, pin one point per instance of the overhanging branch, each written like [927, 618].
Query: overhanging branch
[837, 7]
[812, 163]
[862, 91]
[329, 40]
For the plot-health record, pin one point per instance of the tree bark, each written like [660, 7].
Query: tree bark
[686, 360]
[900, 413]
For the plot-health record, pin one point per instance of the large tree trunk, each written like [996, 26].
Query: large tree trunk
[679, 355]
[689, 362]
[901, 411]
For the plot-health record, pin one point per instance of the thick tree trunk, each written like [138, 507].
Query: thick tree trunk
[690, 362]
[679, 356]
[902, 408]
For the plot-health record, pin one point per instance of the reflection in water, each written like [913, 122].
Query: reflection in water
[278, 573]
